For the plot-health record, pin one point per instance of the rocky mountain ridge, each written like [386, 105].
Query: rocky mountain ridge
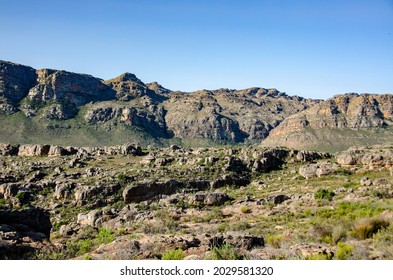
[209, 115]
[63, 108]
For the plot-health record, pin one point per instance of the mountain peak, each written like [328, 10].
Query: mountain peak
[126, 77]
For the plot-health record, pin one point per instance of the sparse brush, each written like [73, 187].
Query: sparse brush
[324, 194]
[245, 209]
[344, 251]
[275, 241]
[366, 228]
[177, 254]
[224, 252]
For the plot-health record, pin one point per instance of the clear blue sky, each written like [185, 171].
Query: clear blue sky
[309, 48]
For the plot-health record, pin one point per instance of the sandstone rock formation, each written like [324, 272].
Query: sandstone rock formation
[15, 83]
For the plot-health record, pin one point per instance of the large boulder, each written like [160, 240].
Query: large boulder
[211, 199]
[8, 149]
[33, 150]
[317, 170]
[149, 189]
[95, 195]
[23, 232]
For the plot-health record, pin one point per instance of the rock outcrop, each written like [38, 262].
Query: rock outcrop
[63, 92]
[15, 82]
[339, 122]
[22, 232]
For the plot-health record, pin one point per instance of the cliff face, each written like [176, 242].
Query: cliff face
[15, 82]
[225, 114]
[49, 104]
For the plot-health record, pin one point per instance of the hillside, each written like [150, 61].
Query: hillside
[337, 123]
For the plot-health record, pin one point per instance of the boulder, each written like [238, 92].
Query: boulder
[346, 159]
[35, 218]
[95, 195]
[93, 218]
[364, 181]
[33, 150]
[243, 242]
[8, 150]
[149, 189]
[278, 199]
[56, 151]
[211, 199]
[317, 170]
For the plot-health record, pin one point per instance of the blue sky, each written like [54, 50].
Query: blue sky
[313, 49]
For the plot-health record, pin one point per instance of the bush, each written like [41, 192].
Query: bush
[105, 235]
[339, 233]
[177, 254]
[2, 202]
[224, 252]
[223, 227]
[23, 197]
[85, 246]
[245, 209]
[344, 251]
[324, 194]
[320, 256]
[123, 179]
[367, 228]
[275, 241]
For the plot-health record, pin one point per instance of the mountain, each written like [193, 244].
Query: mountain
[337, 123]
[60, 107]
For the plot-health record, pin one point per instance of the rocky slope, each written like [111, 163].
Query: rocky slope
[339, 122]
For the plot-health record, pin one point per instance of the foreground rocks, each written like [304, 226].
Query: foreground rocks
[52, 150]
[22, 232]
[210, 203]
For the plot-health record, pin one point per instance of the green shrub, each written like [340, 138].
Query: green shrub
[87, 257]
[105, 236]
[177, 254]
[123, 179]
[223, 227]
[245, 209]
[339, 233]
[367, 228]
[2, 202]
[275, 241]
[121, 231]
[84, 246]
[240, 226]
[308, 212]
[224, 252]
[344, 251]
[23, 197]
[324, 194]
[320, 256]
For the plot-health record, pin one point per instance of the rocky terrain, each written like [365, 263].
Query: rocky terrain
[126, 202]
